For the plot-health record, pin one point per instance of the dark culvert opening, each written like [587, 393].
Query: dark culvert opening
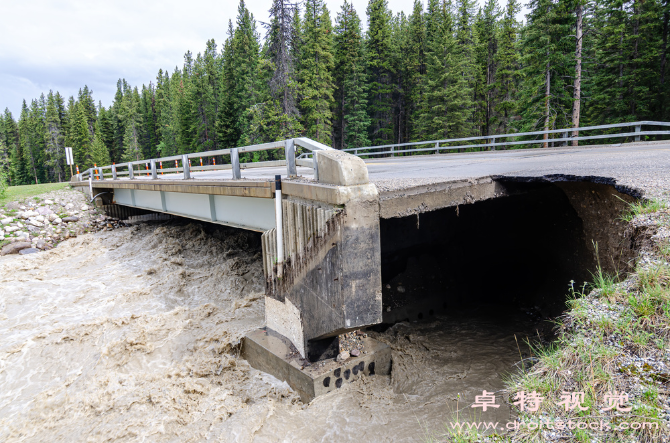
[516, 253]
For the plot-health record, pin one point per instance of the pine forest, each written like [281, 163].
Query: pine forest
[347, 78]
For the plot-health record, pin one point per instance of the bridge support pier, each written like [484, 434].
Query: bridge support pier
[331, 280]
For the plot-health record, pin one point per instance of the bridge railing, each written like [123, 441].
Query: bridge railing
[152, 168]
[491, 142]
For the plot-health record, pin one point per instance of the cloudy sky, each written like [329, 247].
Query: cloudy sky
[65, 44]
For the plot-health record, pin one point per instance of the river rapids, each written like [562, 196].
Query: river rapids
[134, 335]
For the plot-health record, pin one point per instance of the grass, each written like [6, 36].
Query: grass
[646, 206]
[14, 193]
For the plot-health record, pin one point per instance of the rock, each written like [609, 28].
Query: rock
[52, 217]
[14, 248]
[342, 356]
[28, 251]
[6, 221]
[28, 214]
[35, 223]
[355, 352]
[84, 208]
[42, 210]
[40, 218]
[401, 289]
[48, 202]
[41, 244]
[57, 221]
[11, 205]
[69, 206]
[9, 229]
[71, 219]
[23, 208]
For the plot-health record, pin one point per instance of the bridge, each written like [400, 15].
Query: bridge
[335, 225]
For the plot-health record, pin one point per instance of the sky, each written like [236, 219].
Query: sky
[63, 45]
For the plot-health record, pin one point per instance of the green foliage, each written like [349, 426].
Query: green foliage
[453, 69]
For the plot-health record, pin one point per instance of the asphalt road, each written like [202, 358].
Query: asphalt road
[642, 165]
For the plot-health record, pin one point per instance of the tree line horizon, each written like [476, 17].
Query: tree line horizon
[447, 70]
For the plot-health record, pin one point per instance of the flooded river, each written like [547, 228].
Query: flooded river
[133, 335]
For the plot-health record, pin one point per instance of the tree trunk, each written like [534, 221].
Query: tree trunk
[664, 50]
[546, 106]
[578, 76]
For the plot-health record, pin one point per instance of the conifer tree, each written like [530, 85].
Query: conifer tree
[316, 65]
[54, 150]
[486, 27]
[99, 152]
[380, 72]
[507, 69]
[353, 121]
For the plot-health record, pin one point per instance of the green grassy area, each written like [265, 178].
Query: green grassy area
[14, 193]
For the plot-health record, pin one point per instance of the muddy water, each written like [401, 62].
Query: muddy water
[133, 335]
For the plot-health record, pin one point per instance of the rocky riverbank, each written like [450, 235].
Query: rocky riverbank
[40, 223]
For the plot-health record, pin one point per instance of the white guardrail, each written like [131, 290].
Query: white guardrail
[149, 168]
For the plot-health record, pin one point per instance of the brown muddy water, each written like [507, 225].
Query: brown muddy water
[133, 335]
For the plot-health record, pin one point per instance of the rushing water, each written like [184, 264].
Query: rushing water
[133, 335]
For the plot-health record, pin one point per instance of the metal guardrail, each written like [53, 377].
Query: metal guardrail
[134, 169]
[492, 144]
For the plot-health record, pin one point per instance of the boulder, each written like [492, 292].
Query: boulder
[69, 206]
[41, 244]
[28, 214]
[6, 221]
[40, 218]
[11, 229]
[71, 219]
[52, 217]
[57, 221]
[84, 208]
[34, 222]
[43, 210]
[28, 251]
[14, 248]
[48, 202]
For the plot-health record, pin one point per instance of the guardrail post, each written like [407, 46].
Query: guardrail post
[154, 175]
[316, 166]
[437, 147]
[131, 171]
[235, 160]
[638, 128]
[101, 176]
[280, 227]
[289, 150]
[187, 167]
[493, 142]
[114, 177]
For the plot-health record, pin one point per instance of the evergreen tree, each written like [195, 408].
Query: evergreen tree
[54, 150]
[380, 71]
[99, 152]
[353, 120]
[486, 50]
[507, 76]
[316, 65]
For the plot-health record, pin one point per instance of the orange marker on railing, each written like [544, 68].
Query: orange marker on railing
[97, 177]
[214, 160]
[200, 161]
[176, 164]
[189, 162]
[147, 166]
[161, 163]
[77, 166]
